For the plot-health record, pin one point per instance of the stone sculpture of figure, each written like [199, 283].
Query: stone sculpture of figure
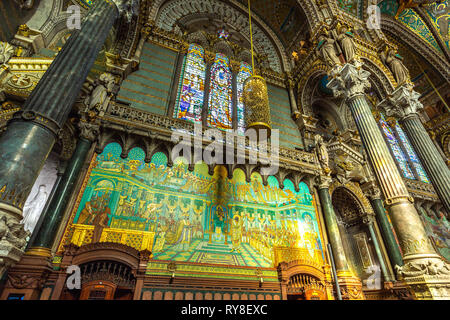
[322, 153]
[395, 64]
[105, 85]
[345, 38]
[32, 210]
[6, 52]
[328, 51]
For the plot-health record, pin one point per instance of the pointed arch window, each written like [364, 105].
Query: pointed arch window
[220, 106]
[403, 152]
[211, 91]
[245, 71]
[190, 101]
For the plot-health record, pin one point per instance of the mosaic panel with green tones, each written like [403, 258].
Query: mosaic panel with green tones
[148, 89]
[280, 112]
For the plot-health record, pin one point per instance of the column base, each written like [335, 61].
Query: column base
[39, 251]
[351, 286]
[12, 237]
[429, 287]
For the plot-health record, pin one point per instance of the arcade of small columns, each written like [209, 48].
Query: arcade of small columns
[36, 127]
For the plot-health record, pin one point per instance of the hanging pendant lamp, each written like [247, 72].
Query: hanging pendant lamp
[255, 96]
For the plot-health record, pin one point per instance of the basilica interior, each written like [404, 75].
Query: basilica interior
[355, 95]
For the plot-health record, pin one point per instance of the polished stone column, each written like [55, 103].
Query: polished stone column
[404, 104]
[351, 81]
[53, 216]
[369, 221]
[32, 132]
[331, 225]
[290, 84]
[393, 251]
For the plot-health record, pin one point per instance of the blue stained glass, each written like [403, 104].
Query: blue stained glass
[245, 72]
[396, 150]
[412, 155]
[220, 113]
[193, 86]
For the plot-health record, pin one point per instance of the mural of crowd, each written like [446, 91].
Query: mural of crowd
[197, 217]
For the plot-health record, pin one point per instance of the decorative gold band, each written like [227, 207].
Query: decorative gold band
[39, 251]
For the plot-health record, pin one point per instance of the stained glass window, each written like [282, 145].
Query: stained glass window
[193, 86]
[220, 113]
[396, 150]
[223, 34]
[245, 72]
[412, 155]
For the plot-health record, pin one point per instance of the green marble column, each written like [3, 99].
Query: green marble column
[32, 132]
[53, 216]
[369, 221]
[332, 228]
[404, 105]
[351, 81]
[388, 236]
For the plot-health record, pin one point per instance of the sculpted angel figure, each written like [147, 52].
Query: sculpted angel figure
[32, 209]
[104, 88]
[394, 62]
[345, 38]
[328, 51]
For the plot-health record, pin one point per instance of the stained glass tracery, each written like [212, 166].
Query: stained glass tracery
[193, 86]
[412, 155]
[396, 150]
[220, 113]
[245, 71]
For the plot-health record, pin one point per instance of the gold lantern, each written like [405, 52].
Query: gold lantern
[256, 102]
[255, 96]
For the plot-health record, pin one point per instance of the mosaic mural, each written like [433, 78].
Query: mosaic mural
[410, 19]
[193, 216]
[439, 233]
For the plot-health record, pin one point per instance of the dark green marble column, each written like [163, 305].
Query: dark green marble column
[369, 221]
[55, 210]
[351, 80]
[404, 104]
[386, 232]
[32, 132]
[429, 156]
[333, 229]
